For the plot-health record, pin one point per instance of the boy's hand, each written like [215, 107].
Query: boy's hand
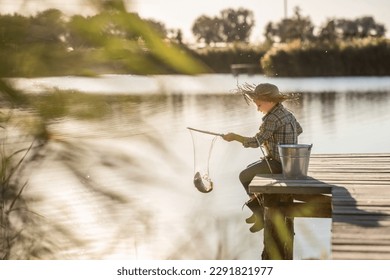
[229, 137]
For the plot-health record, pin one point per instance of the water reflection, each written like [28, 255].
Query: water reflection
[346, 122]
[127, 190]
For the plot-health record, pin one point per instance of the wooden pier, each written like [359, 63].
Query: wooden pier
[352, 189]
[249, 69]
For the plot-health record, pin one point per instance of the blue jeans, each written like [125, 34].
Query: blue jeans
[259, 167]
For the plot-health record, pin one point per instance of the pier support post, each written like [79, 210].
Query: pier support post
[278, 228]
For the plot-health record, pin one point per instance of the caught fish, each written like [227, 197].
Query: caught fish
[203, 184]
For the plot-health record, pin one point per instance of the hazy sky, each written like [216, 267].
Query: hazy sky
[182, 13]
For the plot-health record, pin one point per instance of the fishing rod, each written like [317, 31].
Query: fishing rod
[205, 132]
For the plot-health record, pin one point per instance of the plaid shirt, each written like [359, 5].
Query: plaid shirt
[279, 127]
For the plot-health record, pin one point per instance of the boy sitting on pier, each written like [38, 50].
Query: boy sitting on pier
[279, 126]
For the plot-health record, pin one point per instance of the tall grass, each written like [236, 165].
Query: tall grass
[366, 57]
[18, 224]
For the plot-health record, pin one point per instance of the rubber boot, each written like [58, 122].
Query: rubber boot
[258, 213]
[251, 219]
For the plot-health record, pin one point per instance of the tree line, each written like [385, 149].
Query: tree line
[108, 42]
[236, 26]
[295, 47]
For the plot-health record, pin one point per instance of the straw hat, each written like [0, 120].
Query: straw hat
[265, 92]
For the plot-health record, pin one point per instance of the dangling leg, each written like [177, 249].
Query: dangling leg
[254, 202]
[256, 206]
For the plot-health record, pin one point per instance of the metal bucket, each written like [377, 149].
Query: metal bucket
[295, 160]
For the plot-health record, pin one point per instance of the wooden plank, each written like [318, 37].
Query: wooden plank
[323, 176]
[349, 221]
[351, 155]
[358, 251]
[327, 161]
[346, 254]
[270, 183]
[353, 230]
[358, 167]
[352, 163]
[359, 197]
[348, 207]
[362, 188]
[289, 190]
[359, 210]
[308, 210]
[347, 169]
[363, 248]
[262, 180]
[350, 241]
[266, 183]
[349, 159]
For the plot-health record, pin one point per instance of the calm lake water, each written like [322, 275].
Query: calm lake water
[129, 193]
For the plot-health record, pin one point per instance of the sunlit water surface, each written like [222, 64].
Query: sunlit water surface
[129, 193]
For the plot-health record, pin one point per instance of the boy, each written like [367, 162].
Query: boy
[279, 126]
